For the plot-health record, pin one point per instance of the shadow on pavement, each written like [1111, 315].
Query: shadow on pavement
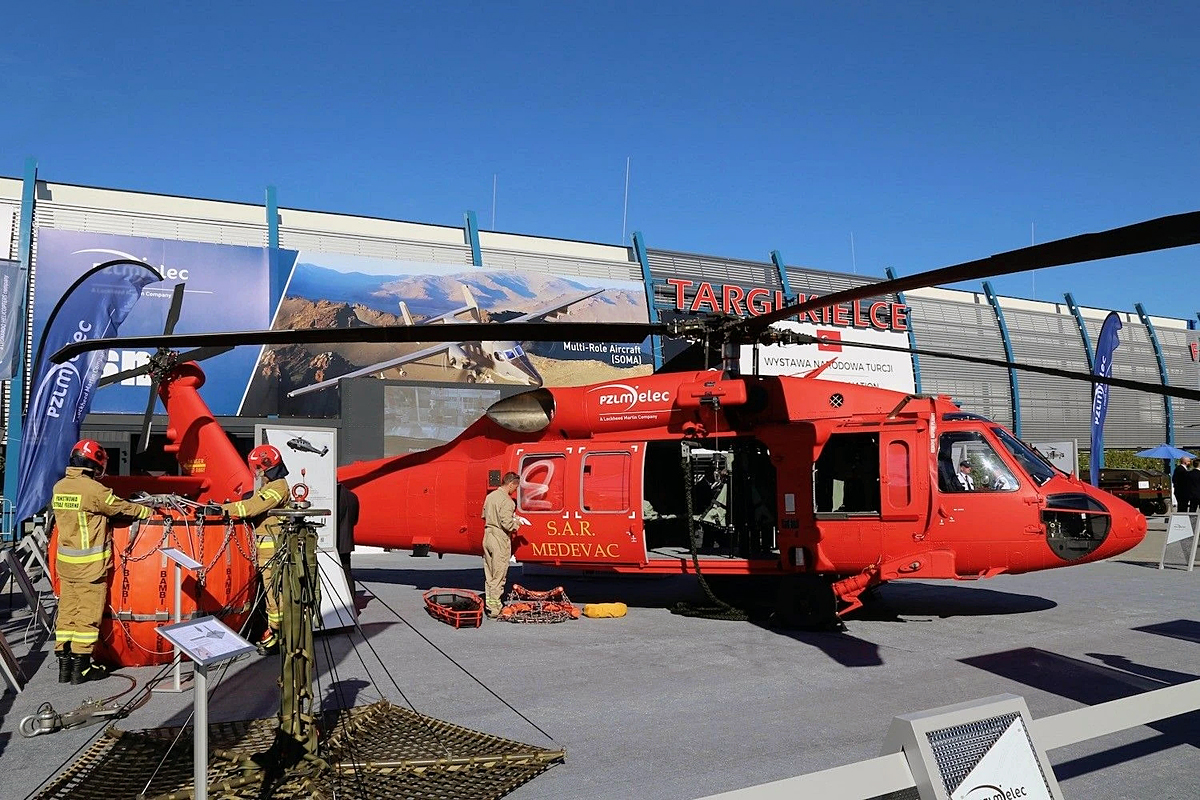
[844, 648]
[39, 650]
[657, 591]
[893, 601]
[1088, 683]
[1186, 629]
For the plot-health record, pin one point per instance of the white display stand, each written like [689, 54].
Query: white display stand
[182, 561]
[206, 641]
[310, 454]
[1181, 527]
[978, 749]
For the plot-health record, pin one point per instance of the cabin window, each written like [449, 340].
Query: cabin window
[605, 482]
[846, 476]
[543, 483]
[968, 463]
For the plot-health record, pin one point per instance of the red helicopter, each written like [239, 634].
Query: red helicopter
[837, 487]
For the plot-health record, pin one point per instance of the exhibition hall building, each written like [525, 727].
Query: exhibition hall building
[248, 267]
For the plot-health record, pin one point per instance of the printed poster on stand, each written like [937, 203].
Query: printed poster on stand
[310, 454]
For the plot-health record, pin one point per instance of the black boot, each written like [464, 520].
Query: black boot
[64, 664]
[83, 670]
[269, 645]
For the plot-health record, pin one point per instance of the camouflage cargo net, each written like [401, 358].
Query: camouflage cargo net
[526, 605]
[378, 751]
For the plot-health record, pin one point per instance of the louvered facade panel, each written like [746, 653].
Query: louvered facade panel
[689, 266]
[815, 282]
[1182, 370]
[1052, 409]
[96, 220]
[560, 265]
[1135, 419]
[970, 329]
[374, 247]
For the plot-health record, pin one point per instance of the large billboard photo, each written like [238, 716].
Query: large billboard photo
[227, 289]
[340, 291]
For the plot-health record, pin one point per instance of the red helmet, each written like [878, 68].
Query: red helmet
[264, 457]
[88, 453]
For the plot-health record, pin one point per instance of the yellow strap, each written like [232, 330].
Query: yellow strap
[85, 539]
[86, 638]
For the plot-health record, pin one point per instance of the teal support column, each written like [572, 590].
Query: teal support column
[279, 269]
[912, 337]
[777, 260]
[1087, 340]
[272, 218]
[1162, 369]
[471, 229]
[639, 251]
[1013, 388]
[16, 387]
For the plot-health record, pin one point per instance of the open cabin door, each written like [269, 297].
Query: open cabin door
[579, 498]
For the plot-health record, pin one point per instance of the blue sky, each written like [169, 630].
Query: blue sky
[931, 134]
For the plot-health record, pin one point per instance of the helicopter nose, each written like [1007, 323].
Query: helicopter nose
[1128, 528]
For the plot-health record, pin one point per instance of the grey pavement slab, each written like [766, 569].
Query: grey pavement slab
[656, 705]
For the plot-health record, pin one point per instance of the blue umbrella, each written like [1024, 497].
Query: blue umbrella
[1165, 451]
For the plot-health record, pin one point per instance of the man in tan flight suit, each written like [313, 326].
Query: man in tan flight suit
[500, 522]
[82, 508]
[265, 461]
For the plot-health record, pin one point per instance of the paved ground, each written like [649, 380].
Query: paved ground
[659, 706]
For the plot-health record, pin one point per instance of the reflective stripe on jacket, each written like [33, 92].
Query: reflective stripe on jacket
[82, 507]
[254, 510]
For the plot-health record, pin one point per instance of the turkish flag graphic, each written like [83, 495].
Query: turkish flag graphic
[829, 340]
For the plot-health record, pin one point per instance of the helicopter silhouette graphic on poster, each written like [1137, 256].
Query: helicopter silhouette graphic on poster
[835, 487]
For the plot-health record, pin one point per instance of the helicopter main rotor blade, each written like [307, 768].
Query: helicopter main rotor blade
[175, 309]
[1164, 233]
[148, 418]
[202, 354]
[630, 332]
[116, 377]
[1086, 377]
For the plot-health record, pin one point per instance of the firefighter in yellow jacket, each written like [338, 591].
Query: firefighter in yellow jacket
[82, 508]
[265, 461]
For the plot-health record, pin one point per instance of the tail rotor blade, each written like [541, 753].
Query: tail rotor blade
[174, 311]
[148, 418]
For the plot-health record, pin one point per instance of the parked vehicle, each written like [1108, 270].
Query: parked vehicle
[1146, 490]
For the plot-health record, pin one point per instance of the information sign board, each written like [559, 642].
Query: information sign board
[206, 640]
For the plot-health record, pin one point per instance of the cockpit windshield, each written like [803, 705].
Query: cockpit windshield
[1038, 468]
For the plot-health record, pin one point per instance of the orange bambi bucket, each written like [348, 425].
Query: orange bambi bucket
[141, 583]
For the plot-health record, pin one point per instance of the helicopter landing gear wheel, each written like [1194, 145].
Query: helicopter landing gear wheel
[807, 601]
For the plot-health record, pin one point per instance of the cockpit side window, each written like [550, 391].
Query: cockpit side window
[967, 462]
[1038, 468]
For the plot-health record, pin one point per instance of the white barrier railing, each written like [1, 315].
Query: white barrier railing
[874, 777]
